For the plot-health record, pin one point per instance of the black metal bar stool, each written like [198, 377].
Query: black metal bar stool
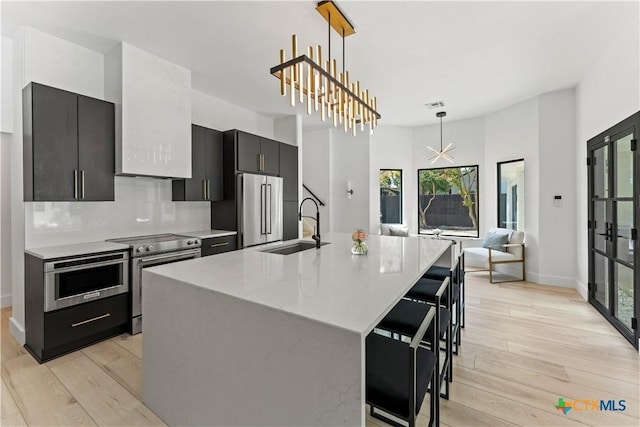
[405, 317]
[430, 291]
[455, 275]
[398, 375]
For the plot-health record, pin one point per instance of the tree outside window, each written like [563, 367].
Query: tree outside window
[390, 196]
[448, 200]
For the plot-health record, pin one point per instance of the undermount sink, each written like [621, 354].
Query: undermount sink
[293, 248]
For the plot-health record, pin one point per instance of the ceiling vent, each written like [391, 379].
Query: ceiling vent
[436, 104]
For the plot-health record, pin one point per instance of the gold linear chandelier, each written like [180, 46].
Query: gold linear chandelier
[326, 91]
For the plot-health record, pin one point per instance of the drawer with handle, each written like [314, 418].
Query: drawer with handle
[83, 320]
[218, 245]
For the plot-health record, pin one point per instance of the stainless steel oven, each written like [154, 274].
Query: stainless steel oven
[150, 251]
[140, 263]
[77, 280]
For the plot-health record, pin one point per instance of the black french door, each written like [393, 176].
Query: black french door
[614, 207]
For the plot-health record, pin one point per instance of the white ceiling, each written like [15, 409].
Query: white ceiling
[476, 56]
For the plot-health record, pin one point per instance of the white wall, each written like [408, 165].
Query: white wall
[6, 76]
[317, 160]
[468, 139]
[608, 93]
[215, 113]
[6, 125]
[5, 220]
[391, 147]
[556, 149]
[351, 163]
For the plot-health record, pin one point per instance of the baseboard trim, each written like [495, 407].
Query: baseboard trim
[583, 291]
[17, 331]
[560, 281]
[544, 279]
[5, 301]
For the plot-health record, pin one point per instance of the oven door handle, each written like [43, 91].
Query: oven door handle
[173, 256]
[49, 267]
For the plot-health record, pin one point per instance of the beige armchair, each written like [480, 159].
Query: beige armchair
[502, 246]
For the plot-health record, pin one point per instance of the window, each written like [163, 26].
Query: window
[448, 200]
[390, 196]
[511, 194]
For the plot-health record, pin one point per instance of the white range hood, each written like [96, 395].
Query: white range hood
[153, 113]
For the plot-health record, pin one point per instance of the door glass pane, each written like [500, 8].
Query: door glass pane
[601, 277]
[624, 167]
[624, 244]
[600, 217]
[601, 172]
[624, 294]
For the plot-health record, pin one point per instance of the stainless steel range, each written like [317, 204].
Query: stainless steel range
[150, 251]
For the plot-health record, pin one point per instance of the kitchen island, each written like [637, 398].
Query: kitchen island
[251, 338]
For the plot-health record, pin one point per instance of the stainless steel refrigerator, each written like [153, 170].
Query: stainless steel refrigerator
[260, 215]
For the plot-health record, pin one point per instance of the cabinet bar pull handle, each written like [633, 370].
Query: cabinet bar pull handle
[75, 183]
[259, 162]
[217, 245]
[204, 189]
[93, 319]
[208, 190]
[82, 184]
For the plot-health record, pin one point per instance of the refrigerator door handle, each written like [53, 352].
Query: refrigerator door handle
[263, 213]
[270, 209]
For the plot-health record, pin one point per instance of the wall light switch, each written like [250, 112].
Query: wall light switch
[557, 201]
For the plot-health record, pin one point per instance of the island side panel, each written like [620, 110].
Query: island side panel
[211, 359]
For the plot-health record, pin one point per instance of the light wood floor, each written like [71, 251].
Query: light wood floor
[524, 346]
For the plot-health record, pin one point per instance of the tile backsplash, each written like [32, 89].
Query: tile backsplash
[142, 206]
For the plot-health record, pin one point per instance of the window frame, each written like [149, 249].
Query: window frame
[477, 234]
[498, 187]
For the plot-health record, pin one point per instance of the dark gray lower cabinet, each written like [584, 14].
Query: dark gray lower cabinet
[75, 327]
[218, 245]
[54, 333]
[290, 220]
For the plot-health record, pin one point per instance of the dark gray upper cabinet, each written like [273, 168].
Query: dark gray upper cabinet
[289, 172]
[256, 154]
[248, 152]
[69, 146]
[270, 150]
[96, 149]
[206, 168]
[214, 164]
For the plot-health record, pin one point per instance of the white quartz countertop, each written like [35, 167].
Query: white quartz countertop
[329, 284]
[206, 234]
[76, 249]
